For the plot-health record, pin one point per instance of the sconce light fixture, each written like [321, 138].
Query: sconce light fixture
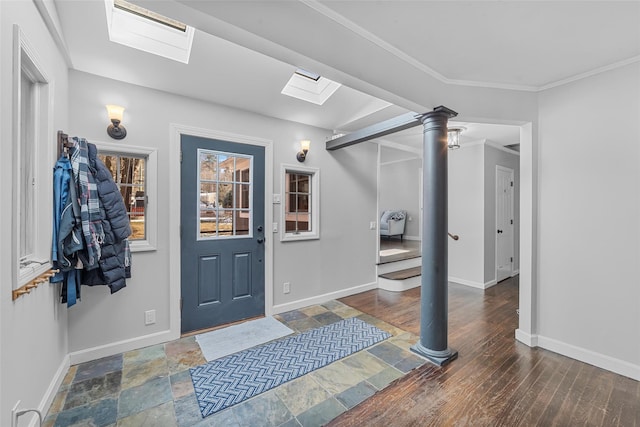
[115, 129]
[453, 137]
[304, 149]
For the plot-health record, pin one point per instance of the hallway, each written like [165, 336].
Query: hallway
[495, 380]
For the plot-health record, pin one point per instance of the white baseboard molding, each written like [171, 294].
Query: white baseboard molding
[599, 360]
[515, 273]
[50, 394]
[319, 299]
[603, 361]
[527, 339]
[121, 346]
[417, 238]
[478, 285]
[399, 285]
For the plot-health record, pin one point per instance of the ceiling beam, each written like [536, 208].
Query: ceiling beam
[377, 130]
[396, 124]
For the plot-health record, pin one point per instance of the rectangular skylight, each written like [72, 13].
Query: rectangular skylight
[308, 74]
[310, 87]
[146, 13]
[142, 29]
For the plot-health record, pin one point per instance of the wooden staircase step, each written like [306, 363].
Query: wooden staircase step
[407, 273]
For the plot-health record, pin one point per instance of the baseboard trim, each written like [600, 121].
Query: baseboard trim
[319, 299]
[477, 285]
[526, 339]
[399, 285]
[603, 361]
[101, 351]
[599, 360]
[50, 394]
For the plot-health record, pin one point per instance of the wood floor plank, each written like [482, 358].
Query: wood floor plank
[495, 380]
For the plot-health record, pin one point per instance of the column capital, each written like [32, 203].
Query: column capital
[439, 112]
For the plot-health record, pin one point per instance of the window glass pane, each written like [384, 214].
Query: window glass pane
[242, 196]
[226, 167]
[303, 183]
[225, 195]
[298, 202]
[208, 166]
[225, 223]
[303, 203]
[26, 174]
[129, 174]
[242, 223]
[111, 163]
[208, 227]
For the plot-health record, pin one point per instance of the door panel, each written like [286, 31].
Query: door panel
[504, 223]
[222, 229]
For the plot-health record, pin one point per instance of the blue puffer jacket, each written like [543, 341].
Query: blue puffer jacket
[115, 260]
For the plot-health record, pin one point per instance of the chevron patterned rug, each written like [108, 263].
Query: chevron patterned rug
[225, 382]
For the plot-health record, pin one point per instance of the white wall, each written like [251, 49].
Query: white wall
[33, 329]
[344, 256]
[589, 220]
[399, 189]
[496, 157]
[466, 215]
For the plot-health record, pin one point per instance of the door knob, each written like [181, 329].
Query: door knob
[260, 229]
[499, 231]
[260, 240]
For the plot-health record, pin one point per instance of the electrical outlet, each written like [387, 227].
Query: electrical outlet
[149, 317]
[372, 225]
[274, 227]
[286, 287]
[276, 198]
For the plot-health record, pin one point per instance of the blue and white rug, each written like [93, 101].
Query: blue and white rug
[232, 379]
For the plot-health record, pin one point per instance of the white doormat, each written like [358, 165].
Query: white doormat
[232, 339]
[389, 252]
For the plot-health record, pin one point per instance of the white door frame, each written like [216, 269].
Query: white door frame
[176, 130]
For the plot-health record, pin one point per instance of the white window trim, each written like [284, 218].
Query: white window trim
[151, 183]
[315, 204]
[40, 259]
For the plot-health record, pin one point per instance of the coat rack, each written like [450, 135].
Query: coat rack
[26, 288]
[63, 143]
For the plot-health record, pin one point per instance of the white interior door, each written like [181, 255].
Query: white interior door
[504, 222]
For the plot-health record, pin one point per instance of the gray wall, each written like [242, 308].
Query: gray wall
[495, 157]
[33, 328]
[343, 257]
[399, 189]
[466, 214]
[589, 224]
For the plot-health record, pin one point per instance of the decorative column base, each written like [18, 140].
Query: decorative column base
[440, 358]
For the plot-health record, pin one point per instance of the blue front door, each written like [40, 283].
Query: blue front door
[222, 220]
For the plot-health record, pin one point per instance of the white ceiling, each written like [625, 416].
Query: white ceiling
[245, 51]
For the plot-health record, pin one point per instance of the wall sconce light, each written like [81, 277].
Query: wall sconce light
[115, 129]
[304, 149]
[453, 137]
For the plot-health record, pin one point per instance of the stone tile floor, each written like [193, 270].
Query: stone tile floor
[152, 386]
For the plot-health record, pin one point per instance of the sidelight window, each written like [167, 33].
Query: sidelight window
[300, 210]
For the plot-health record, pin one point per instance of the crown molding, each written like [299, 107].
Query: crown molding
[355, 28]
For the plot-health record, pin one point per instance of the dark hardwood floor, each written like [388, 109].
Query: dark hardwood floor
[496, 380]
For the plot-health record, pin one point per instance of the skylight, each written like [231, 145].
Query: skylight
[142, 29]
[146, 13]
[310, 87]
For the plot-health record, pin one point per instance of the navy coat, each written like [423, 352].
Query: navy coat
[115, 259]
